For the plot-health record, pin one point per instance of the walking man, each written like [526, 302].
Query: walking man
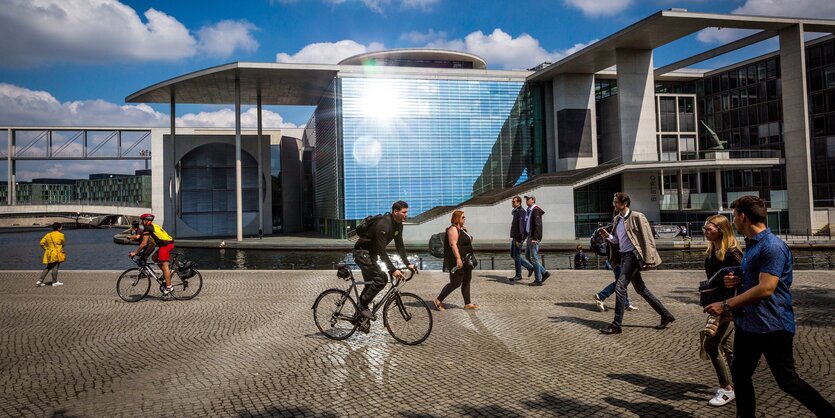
[633, 248]
[517, 237]
[533, 231]
[763, 314]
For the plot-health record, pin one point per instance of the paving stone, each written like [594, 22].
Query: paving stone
[247, 346]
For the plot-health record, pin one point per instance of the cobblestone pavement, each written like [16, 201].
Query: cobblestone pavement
[247, 346]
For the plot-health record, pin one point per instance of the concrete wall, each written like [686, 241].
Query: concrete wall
[291, 184]
[636, 105]
[796, 128]
[643, 189]
[610, 146]
[575, 91]
[492, 222]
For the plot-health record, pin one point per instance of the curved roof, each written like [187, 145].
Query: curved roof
[418, 54]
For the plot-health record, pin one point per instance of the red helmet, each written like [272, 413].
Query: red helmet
[147, 216]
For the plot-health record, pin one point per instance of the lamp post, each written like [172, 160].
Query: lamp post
[145, 153]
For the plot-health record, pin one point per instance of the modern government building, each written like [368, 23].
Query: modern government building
[441, 131]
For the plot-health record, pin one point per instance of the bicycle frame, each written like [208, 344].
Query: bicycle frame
[393, 291]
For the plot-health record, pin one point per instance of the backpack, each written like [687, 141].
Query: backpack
[365, 225]
[598, 243]
[437, 244]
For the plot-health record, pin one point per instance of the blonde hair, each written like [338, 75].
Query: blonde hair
[456, 217]
[728, 237]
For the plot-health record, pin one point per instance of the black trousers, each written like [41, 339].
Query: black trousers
[777, 348]
[461, 278]
[371, 272]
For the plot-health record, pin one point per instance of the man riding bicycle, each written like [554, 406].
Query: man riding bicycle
[163, 241]
[372, 245]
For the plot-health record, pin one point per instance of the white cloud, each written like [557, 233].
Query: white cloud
[225, 118]
[378, 6]
[419, 4]
[422, 37]
[23, 107]
[816, 9]
[598, 8]
[38, 32]
[328, 52]
[225, 37]
[503, 50]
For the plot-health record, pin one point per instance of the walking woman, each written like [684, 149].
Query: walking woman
[53, 254]
[458, 259]
[722, 251]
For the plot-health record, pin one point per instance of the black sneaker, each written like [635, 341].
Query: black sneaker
[367, 314]
[545, 276]
[535, 283]
[530, 272]
[365, 326]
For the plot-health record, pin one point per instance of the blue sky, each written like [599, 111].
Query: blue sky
[73, 62]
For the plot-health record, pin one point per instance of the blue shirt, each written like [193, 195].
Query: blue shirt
[619, 236]
[765, 253]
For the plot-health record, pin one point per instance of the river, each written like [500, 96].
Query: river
[94, 249]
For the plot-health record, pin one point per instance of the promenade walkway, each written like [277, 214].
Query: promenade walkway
[247, 346]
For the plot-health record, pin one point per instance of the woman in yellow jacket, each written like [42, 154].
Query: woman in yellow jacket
[53, 254]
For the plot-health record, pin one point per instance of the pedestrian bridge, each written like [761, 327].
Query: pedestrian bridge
[88, 214]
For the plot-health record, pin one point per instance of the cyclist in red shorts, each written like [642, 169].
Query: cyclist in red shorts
[163, 240]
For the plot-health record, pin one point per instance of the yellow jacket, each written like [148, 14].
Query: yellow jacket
[53, 247]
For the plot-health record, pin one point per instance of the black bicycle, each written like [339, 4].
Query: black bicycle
[135, 283]
[405, 315]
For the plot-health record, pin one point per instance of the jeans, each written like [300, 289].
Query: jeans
[777, 347]
[536, 262]
[518, 260]
[608, 290]
[631, 273]
[51, 266]
[719, 350]
[371, 272]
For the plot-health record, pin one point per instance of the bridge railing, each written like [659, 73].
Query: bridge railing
[84, 202]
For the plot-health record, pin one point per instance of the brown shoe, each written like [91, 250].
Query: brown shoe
[665, 322]
[439, 305]
[472, 306]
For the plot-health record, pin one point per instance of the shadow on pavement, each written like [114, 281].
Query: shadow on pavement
[565, 407]
[487, 411]
[498, 279]
[686, 295]
[410, 414]
[593, 324]
[664, 389]
[813, 306]
[277, 411]
[591, 307]
[648, 409]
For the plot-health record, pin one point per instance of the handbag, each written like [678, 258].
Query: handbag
[472, 261]
[60, 255]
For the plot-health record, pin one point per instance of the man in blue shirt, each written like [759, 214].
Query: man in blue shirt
[763, 313]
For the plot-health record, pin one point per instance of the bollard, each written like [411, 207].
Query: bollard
[492, 263]
[333, 266]
[571, 265]
[292, 266]
[420, 262]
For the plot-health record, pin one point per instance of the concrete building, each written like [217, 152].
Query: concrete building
[437, 129]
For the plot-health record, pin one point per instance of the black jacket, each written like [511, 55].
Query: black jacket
[379, 235]
[517, 228]
[536, 223]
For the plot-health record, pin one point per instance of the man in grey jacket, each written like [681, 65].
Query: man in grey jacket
[633, 248]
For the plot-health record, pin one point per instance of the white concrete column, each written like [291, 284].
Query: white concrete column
[10, 196]
[260, 174]
[796, 128]
[239, 211]
[574, 92]
[680, 181]
[175, 192]
[719, 190]
[636, 105]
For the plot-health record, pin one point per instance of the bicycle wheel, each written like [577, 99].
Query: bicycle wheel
[335, 314]
[133, 285]
[185, 289]
[407, 318]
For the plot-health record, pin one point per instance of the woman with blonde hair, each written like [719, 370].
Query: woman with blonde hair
[458, 260]
[723, 251]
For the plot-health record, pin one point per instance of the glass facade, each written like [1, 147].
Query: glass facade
[820, 64]
[428, 142]
[207, 189]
